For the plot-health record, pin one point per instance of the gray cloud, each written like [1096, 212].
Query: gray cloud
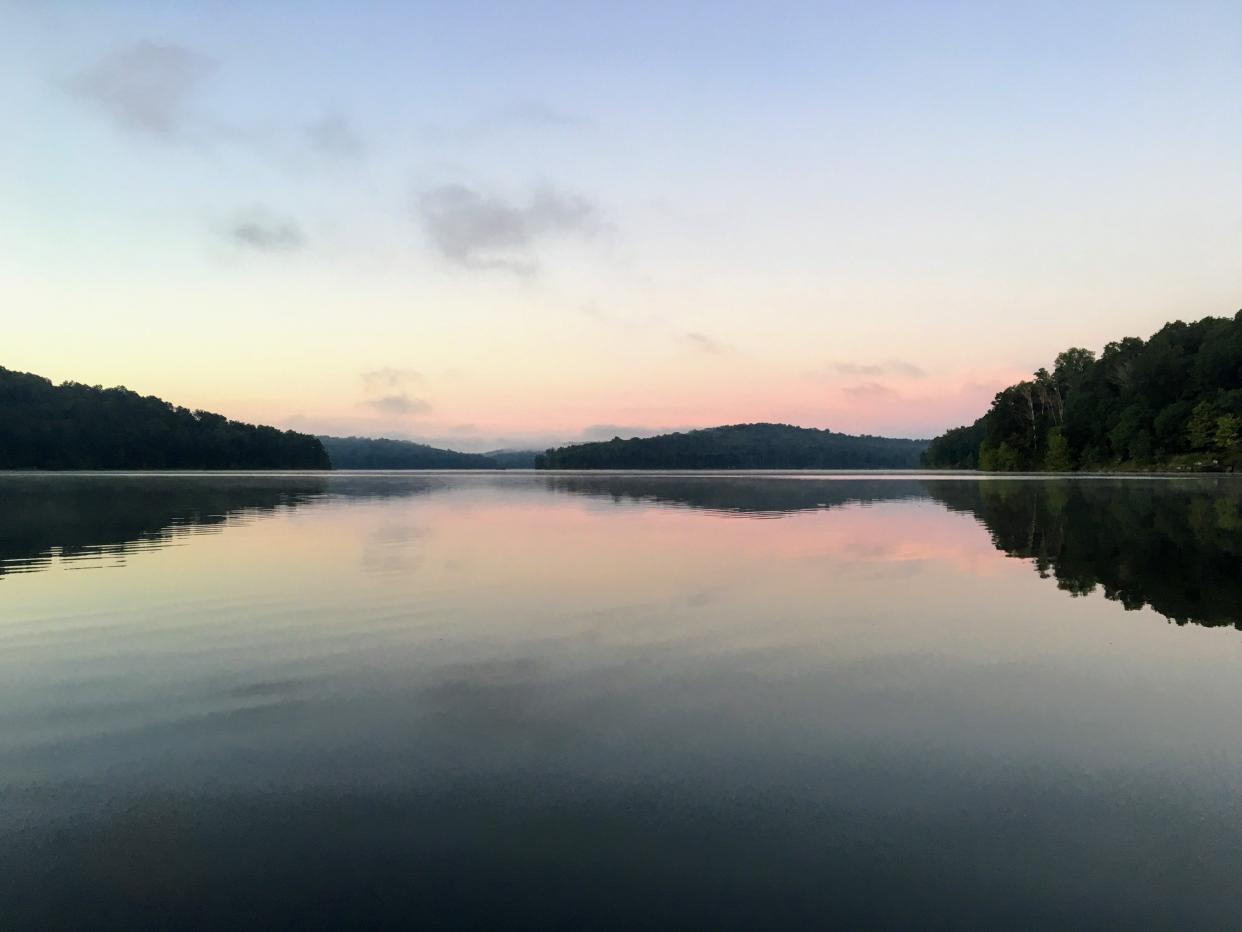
[483, 231]
[523, 114]
[148, 88]
[335, 137]
[888, 367]
[144, 88]
[388, 379]
[512, 118]
[265, 232]
[869, 390]
[399, 404]
[703, 342]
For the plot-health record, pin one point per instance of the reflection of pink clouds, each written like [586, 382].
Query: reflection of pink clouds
[901, 533]
[925, 408]
[887, 533]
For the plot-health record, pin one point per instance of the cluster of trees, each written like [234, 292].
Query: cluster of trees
[72, 426]
[513, 459]
[740, 446]
[1174, 400]
[382, 453]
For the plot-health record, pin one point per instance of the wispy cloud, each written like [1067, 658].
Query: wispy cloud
[485, 231]
[703, 343]
[148, 88]
[144, 88]
[518, 116]
[869, 390]
[898, 367]
[388, 379]
[263, 231]
[400, 404]
[335, 137]
[889, 367]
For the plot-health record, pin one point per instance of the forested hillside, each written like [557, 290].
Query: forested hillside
[1174, 401]
[72, 426]
[740, 446]
[382, 453]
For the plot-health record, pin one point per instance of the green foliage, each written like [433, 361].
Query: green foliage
[1228, 432]
[1201, 431]
[740, 446]
[72, 426]
[382, 453]
[1057, 459]
[1139, 404]
[958, 448]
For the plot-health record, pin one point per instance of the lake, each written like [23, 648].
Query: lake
[619, 701]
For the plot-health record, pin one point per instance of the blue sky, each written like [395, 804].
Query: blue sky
[537, 221]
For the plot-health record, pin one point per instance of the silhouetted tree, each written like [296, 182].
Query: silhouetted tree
[73, 426]
[740, 446]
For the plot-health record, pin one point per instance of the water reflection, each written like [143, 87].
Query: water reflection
[1174, 545]
[605, 701]
[754, 496]
[82, 520]
[1171, 544]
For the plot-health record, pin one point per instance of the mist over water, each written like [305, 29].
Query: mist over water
[619, 700]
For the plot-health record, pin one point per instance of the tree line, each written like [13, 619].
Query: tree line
[74, 426]
[1172, 401]
[382, 453]
[740, 446]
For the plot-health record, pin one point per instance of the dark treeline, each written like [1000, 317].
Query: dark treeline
[382, 453]
[740, 446]
[1174, 545]
[514, 459]
[72, 426]
[1172, 401]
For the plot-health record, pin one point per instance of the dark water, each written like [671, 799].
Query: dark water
[619, 702]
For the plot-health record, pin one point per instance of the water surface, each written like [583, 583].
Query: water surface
[619, 701]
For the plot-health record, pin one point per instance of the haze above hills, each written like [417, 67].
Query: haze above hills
[1173, 401]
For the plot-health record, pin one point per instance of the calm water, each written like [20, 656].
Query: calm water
[618, 702]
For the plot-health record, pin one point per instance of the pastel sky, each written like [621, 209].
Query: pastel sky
[513, 223]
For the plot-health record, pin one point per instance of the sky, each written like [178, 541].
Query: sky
[513, 224]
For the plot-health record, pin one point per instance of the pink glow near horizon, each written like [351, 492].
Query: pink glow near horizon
[646, 226]
[886, 406]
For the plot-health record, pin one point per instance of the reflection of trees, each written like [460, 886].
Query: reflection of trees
[42, 515]
[772, 495]
[82, 515]
[1174, 545]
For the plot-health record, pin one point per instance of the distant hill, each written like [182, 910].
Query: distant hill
[73, 426]
[1173, 401]
[740, 446]
[383, 453]
[514, 459]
